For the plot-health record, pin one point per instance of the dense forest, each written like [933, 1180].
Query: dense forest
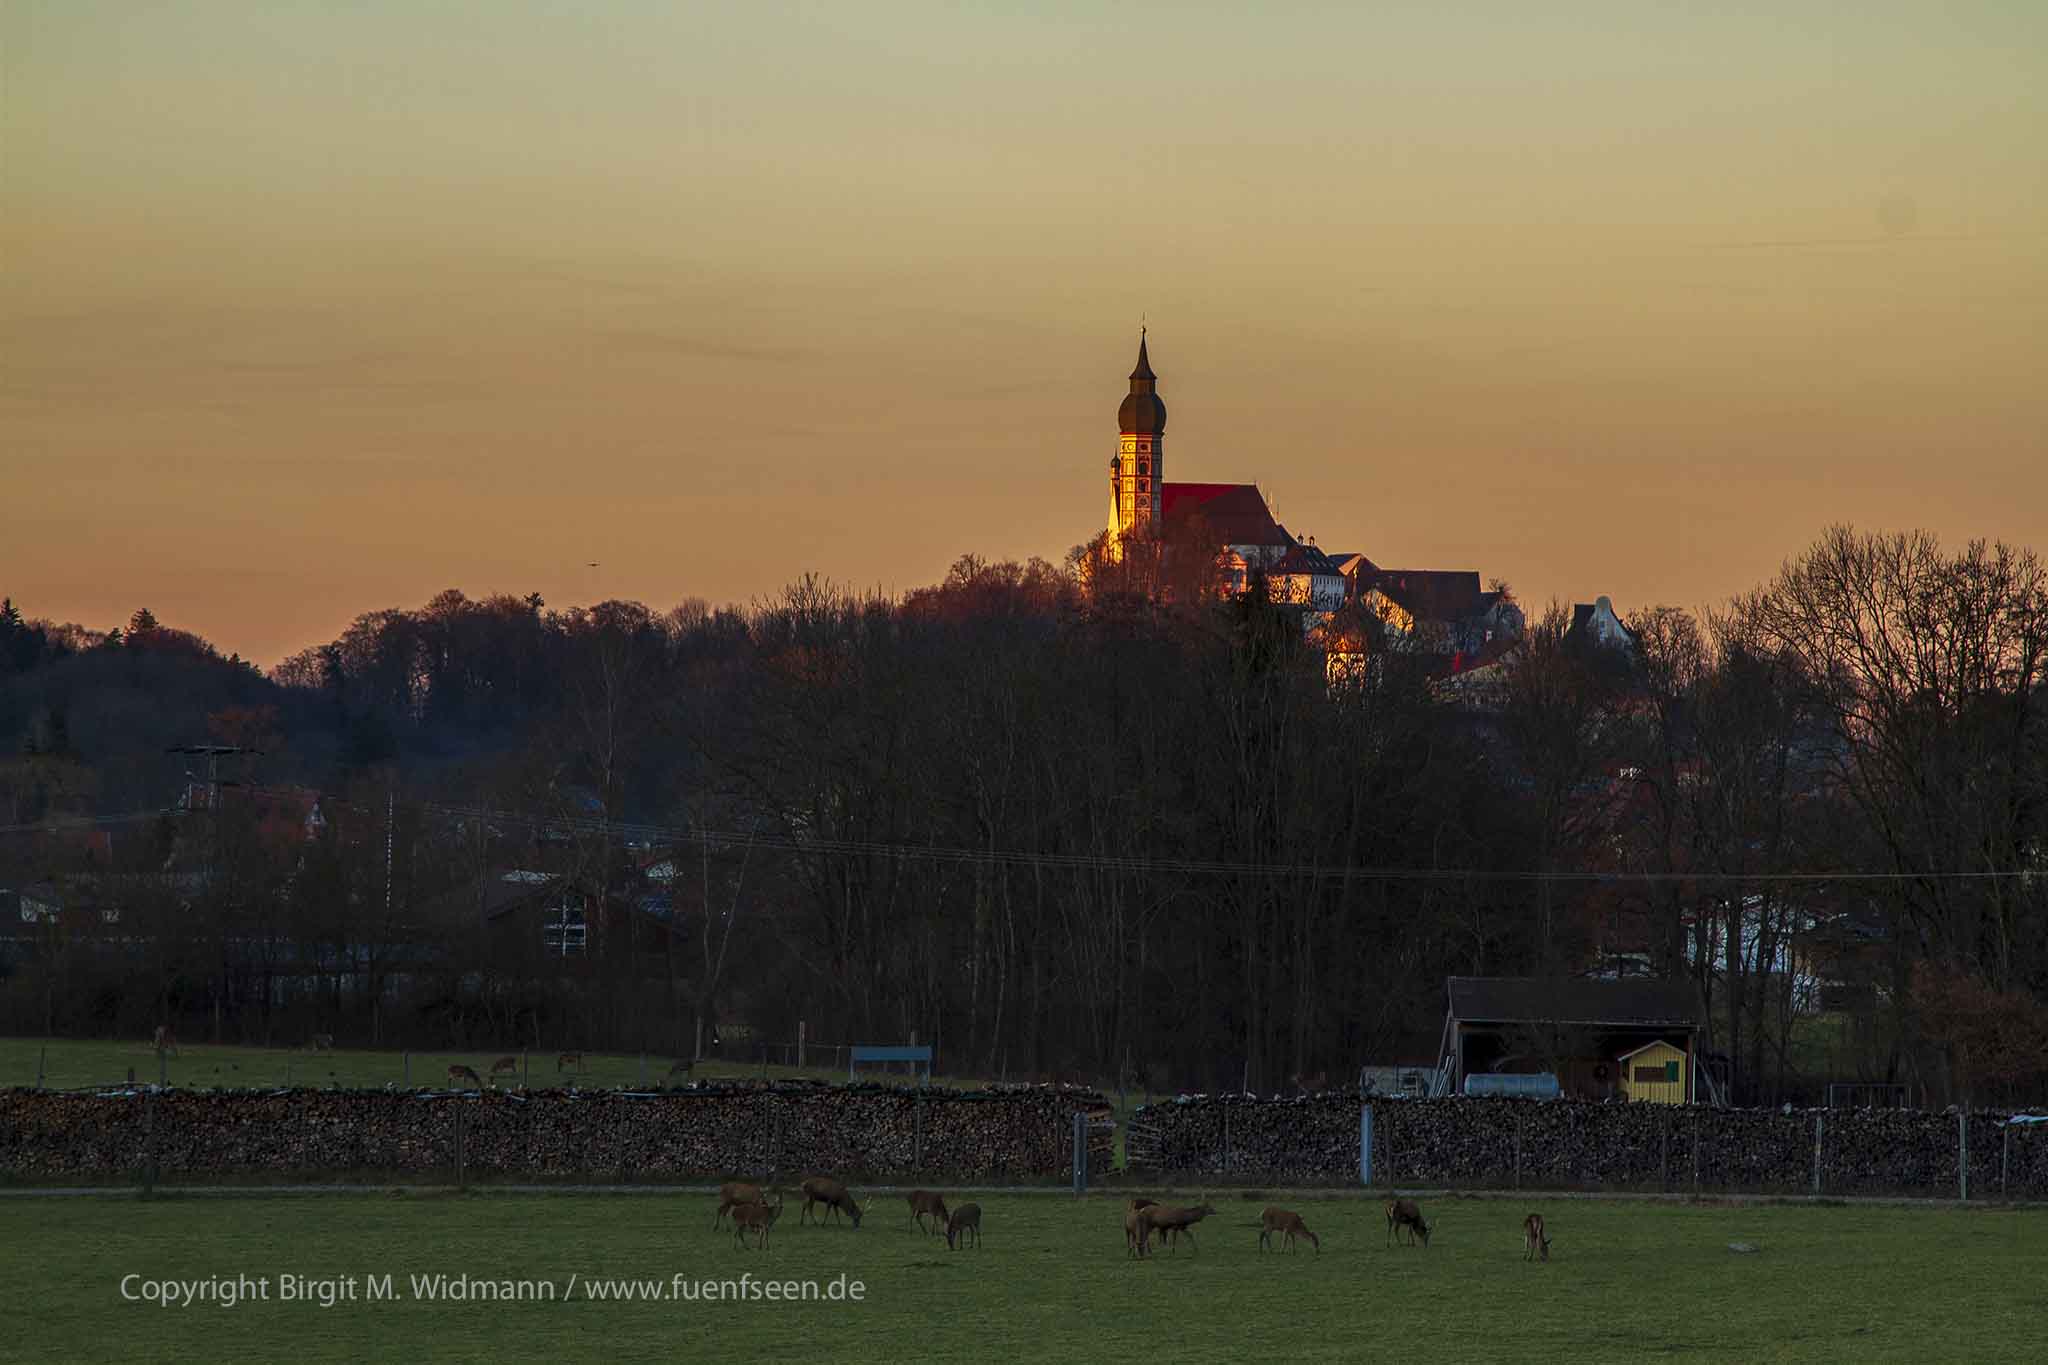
[1055, 819]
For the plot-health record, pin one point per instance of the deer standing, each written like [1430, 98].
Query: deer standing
[1171, 1223]
[1289, 1225]
[1535, 1242]
[1404, 1213]
[166, 1040]
[759, 1217]
[965, 1219]
[322, 1042]
[1137, 1237]
[820, 1189]
[567, 1060]
[459, 1072]
[923, 1202]
[735, 1194]
[504, 1066]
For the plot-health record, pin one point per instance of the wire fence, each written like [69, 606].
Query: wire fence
[1567, 1145]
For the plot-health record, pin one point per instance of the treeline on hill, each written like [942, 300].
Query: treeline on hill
[1054, 828]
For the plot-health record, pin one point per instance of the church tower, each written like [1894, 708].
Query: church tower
[1135, 472]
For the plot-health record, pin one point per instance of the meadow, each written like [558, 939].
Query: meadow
[69, 1064]
[1052, 1281]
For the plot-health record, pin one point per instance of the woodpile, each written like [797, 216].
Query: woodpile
[868, 1131]
[1510, 1143]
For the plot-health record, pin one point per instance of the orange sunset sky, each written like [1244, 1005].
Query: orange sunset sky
[308, 309]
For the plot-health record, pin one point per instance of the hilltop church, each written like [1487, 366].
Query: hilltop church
[1441, 611]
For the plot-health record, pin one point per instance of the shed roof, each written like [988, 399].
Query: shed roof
[1635, 1001]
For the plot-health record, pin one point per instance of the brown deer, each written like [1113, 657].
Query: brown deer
[1289, 1225]
[459, 1072]
[567, 1060]
[166, 1040]
[1137, 1237]
[735, 1194]
[504, 1066]
[821, 1189]
[321, 1042]
[965, 1219]
[925, 1202]
[1172, 1224]
[1404, 1213]
[1309, 1085]
[1535, 1242]
[759, 1217]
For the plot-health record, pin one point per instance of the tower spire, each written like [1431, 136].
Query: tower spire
[1144, 370]
[1135, 498]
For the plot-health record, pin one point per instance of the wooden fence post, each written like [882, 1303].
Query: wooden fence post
[1518, 1149]
[1818, 1121]
[1695, 1153]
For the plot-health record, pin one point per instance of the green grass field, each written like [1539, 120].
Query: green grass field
[1052, 1282]
[66, 1064]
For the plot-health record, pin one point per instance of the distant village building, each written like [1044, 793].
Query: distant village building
[1598, 622]
[1442, 613]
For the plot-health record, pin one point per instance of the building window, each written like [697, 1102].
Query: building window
[564, 932]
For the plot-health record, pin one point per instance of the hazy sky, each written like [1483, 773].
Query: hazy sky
[308, 309]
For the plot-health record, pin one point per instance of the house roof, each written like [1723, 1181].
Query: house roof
[1584, 614]
[1631, 1001]
[1305, 559]
[1234, 513]
[1430, 594]
[1638, 1051]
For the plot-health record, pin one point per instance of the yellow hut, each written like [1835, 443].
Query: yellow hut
[1655, 1072]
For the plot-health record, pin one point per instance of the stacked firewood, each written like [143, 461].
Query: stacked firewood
[1504, 1143]
[875, 1131]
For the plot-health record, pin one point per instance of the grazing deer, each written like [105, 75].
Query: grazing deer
[965, 1219]
[820, 1189]
[735, 1194]
[1172, 1224]
[1534, 1241]
[321, 1042]
[1404, 1213]
[1309, 1085]
[923, 1202]
[1289, 1225]
[504, 1066]
[567, 1060]
[458, 1072]
[759, 1217]
[166, 1040]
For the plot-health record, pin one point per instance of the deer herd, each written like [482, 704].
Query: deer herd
[1144, 1219]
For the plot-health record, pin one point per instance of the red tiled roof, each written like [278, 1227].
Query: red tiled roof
[1235, 513]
